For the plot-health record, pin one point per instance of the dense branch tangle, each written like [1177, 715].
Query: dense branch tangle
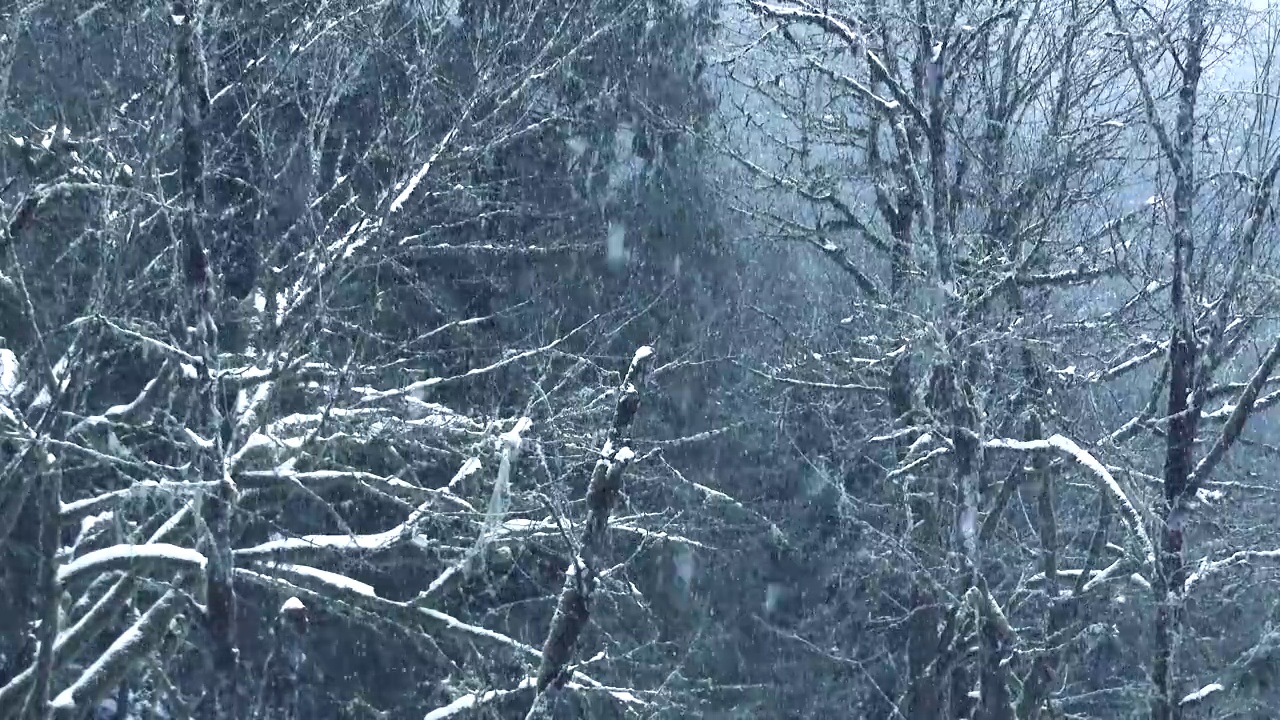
[264, 398]
[969, 156]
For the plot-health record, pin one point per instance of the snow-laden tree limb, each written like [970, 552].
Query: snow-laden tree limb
[1200, 695]
[837, 27]
[133, 558]
[165, 349]
[1209, 567]
[572, 608]
[131, 410]
[322, 577]
[511, 441]
[72, 512]
[1065, 445]
[412, 183]
[406, 613]
[471, 701]
[71, 641]
[134, 644]
[1235, 421]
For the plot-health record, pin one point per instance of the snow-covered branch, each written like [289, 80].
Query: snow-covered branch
[1065, 445]
[130, 648]
[1209, 567]
[132, 558]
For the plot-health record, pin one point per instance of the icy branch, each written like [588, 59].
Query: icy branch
[854, 40]
[74, 511]
[289, 546]
[1131, 364]
[249, 406]
[1236, 421]
[8, 374]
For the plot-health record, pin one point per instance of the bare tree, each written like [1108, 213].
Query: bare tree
[958, 165]
[251, 300]
[1049, 233]
[1214, 293]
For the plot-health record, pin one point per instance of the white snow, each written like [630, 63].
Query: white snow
[311, 542]
[1207, 567]
[130, 644]
[374, 542]
[332, 579]
[1207, 496]
[248, 405]
[511, 439]
[202, 443]
[282, 308]
[468, 469]
[44, 397]
[1224, 411]
[498, 500]
[1082, 456]
[8, 373]
[64, 701]
[254, 441]
[293, 604]
[90, 525]
[969, 527]
[433, 415]
[1105, 575]
[1201, 694]
[920, 443]
[625, 455]
[651, 535]
[110, 556]
[524, 524]
[413, 183]
[472, 700]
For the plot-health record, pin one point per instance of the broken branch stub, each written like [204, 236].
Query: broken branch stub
[573, 607]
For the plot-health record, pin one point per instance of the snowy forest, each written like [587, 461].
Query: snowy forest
[713, 359]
